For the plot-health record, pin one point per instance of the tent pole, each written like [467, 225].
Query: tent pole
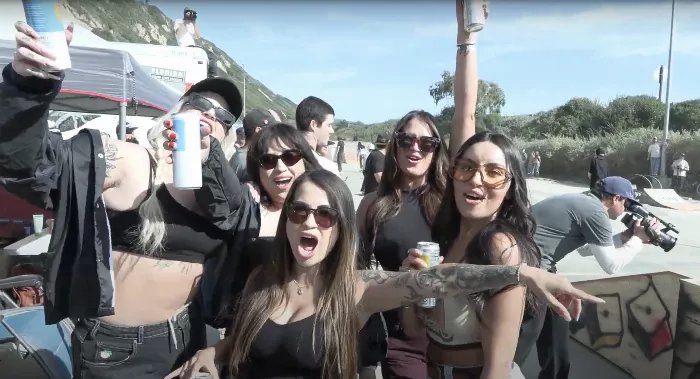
[122, 121]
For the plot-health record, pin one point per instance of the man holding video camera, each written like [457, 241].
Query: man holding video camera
[186, 31]
[580, 221]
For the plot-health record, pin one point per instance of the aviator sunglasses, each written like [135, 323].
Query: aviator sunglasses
[425, 144]
[492, 175]
[288, 157]
[325, 216]
[203, 104]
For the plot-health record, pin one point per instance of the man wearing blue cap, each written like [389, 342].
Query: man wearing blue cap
[564, 224]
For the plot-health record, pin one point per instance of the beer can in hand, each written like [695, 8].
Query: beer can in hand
[44, 17]
[431, 256]
[187, 157]
[474, 15]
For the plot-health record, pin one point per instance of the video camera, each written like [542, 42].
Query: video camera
[190, 15]
[659, 238]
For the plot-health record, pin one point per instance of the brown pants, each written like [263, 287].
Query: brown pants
[405, 359]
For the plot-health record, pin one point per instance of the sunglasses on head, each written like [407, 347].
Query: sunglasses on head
[288, 157]
[298, 212]
[203, 104]
[492, 175]
[425, 144]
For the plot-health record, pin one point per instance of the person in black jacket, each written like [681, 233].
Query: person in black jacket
[129, 252]
[598, 169]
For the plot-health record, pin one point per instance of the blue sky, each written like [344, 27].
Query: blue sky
[376, 60]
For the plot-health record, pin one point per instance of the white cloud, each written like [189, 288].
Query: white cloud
[616, 30]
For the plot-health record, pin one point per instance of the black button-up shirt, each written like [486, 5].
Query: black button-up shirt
[67, 176]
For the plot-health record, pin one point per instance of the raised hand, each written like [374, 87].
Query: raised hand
[32, 58]
[206, 126]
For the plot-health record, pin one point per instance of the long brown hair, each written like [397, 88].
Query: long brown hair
[388, 202]
[336, 309]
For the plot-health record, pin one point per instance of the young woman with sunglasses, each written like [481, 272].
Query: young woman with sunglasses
[484, 220]
[400, 214]
[128, 248]
[302, 307]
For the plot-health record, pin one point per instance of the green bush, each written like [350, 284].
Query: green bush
[568, 159]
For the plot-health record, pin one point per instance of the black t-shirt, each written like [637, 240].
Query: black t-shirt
[373, 165]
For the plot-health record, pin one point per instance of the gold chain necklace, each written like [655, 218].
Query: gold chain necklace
[300, 288]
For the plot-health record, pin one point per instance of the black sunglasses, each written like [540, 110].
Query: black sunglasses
[289, 157]
[203, 104]
[425, 144]
[298, 212]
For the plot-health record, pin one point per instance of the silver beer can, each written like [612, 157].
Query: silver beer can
[474, 15]
[430, 253]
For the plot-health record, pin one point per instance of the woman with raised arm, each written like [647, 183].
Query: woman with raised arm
[128, 248]
[302, 308]
[400, 214]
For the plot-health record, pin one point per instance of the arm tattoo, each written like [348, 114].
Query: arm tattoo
[446, 280]
[111, 153]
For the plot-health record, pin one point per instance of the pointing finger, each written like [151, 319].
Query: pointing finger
[584, 296]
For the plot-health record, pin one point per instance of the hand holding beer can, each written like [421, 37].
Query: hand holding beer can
[431, 256]
[474, 15]
[187, 157]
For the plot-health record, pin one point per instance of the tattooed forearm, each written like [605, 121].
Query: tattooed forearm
[111, 153]
[445, 280]
[379, 277]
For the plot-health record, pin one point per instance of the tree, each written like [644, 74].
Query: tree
[630, 112]
[490, 97]
[685, 116]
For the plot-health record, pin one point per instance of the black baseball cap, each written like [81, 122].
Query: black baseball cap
[226, 89]
[619, 186]
[258, 118]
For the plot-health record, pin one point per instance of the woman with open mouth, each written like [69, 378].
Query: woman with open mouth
[484, 220]
[400, 214]
[276, 157]
[302, 307]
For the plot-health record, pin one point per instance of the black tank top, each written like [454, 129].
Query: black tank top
[394, 238]
[286, 351]
[189, 236]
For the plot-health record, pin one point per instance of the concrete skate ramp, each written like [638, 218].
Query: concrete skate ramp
[666, 198]
[635, 328]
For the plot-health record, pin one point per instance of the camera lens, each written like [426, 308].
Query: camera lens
[667, 242]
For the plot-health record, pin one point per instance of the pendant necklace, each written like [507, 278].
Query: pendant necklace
[300, 288]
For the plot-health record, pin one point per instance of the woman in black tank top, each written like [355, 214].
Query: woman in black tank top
[400, 214]
[301, 310]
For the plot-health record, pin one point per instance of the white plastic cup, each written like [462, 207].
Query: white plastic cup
[38, 223]
[187, 157]
[44, 17]
[474, 15]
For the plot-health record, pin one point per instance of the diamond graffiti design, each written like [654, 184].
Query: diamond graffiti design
[603, 322]
[648, 322]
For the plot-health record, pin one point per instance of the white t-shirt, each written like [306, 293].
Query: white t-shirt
[327, 164]
[185, 38]
[654, 150]
[680, 167]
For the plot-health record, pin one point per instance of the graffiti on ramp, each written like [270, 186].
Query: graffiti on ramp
[649, 322]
